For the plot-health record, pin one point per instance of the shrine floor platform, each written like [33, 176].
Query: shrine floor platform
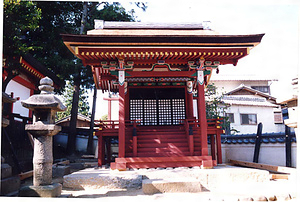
[221, 181]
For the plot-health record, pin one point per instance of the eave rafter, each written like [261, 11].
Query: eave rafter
[94, 56]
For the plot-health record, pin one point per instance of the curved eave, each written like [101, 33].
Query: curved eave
[247, 41]
[173, 39]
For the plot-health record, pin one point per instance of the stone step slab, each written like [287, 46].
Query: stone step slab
[10, 184]
[96, 178]
[60, 171]
[153, 186]
[6, 171]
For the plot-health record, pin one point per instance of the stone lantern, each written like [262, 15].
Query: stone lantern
[44, 107]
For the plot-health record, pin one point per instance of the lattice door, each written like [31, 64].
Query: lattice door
[150, 112]
[158, 112]
[164, 112]
[136, 110]
[178, 110]
[157, 106]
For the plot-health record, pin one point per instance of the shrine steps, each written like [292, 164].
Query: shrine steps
[165, 141]
[163, 162]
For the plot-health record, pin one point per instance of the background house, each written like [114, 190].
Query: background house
[250, 102]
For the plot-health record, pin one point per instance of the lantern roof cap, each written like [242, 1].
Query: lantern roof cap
[45, 100]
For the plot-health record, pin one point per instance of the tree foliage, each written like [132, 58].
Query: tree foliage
[215, 107]
[20, 20]
[67, 95]
[45, 43]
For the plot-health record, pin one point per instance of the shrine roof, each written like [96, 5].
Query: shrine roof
[144, 45]
[158, 34]
[153, 37]
[101, 24]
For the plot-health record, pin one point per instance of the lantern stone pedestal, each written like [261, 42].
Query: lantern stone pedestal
[44, 107]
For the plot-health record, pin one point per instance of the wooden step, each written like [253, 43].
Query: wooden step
[160, 133]
[161, 140]
[161, 154]
[163, 149]
[166, 144]
[156, 138]
[163, 162]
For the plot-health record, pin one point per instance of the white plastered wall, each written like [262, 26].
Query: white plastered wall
[19, 91]
[271, 153]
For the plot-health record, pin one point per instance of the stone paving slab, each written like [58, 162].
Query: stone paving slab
[94, 178]
[153, 186]
[223, 183]
[210, 179]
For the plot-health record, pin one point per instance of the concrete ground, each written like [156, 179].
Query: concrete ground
[233, 184]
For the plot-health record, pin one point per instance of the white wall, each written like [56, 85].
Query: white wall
[265, 115]
[226, 86]
[19, 91]
[271, 153]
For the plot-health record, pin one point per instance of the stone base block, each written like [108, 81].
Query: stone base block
[10, 184]
[60, 171]
[6, 170]
[53, 190]
[171, 185]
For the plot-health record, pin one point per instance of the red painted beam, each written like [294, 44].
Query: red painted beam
[161, 74]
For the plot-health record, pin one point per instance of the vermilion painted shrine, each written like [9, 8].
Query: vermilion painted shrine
[157, 68]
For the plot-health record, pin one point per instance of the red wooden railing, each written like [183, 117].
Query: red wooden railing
[188, 126]
[214, 130]
[191, 127]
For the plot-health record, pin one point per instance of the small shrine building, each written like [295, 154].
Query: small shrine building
[158, 70]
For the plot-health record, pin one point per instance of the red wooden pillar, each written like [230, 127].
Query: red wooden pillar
[122, 89]
[190, 113]
[134, 138]
[121, 121]
[108, 149]
[109, 110]
[126, 101]
[219, 150]
[213, 147]
[202, 118]
[101, 151]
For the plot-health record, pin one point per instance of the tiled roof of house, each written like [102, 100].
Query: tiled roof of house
[249, 101]
[247, 88]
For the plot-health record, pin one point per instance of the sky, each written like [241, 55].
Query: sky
[276, 57]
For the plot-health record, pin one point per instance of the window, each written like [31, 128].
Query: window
[264, 89]
[278, 117]
[230, 117]
[248, 119]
